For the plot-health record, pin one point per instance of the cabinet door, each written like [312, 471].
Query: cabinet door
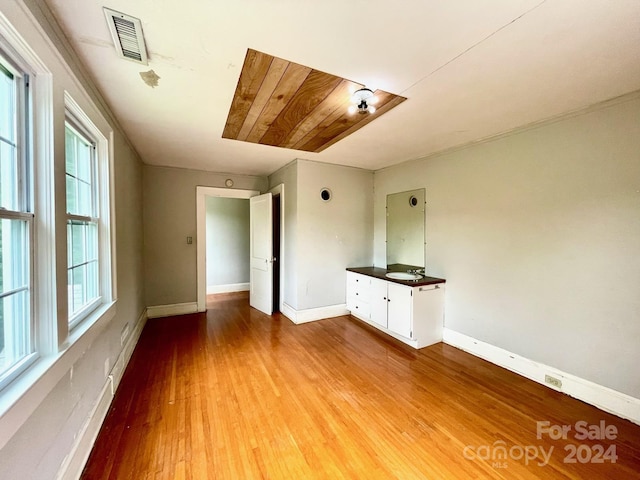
[428, 314]
[379, 302]
[400, 309]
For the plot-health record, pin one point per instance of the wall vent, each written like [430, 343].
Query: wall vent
[127, 36]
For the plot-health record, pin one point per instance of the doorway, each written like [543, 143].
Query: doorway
[227, 243]
[201, 239]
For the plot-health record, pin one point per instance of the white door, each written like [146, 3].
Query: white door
[261, 248]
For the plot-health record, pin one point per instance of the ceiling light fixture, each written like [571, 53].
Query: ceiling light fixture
[363, 101]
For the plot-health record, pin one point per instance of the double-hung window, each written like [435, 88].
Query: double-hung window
[83, 223]
[16, 223]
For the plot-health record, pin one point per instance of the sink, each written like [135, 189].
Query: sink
[403, 275]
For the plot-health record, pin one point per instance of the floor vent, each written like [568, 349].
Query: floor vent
[127, 36]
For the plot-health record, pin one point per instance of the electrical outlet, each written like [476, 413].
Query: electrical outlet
[556, 382]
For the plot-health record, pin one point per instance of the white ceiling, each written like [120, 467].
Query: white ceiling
[470, 69]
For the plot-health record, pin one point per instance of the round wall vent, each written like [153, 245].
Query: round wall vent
[325, 194]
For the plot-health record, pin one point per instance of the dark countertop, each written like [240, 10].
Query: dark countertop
[381, 272]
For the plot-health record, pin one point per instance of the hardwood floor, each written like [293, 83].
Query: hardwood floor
[235, 394]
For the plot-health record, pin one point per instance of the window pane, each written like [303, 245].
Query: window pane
[7, 105]
[69, 242]
[70, 152]
[92, 241]
[78, 244]
[77, 288]
[82, 264]
[14, 288]
[14, 329]
[70, 292]
[83, 154]
[8, 176]
[14, 255]
[84, 204]
[92, 280]
[79, 160]
[71, 195]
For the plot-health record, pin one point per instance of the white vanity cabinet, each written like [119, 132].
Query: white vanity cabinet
[413, 315]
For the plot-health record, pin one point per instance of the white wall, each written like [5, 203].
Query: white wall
[38, 448]
[227, 228]
[327, 237]
[537, 234]
[169, 218]
[332, 235]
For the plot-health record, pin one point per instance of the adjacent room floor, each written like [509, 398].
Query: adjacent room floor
[236, 394]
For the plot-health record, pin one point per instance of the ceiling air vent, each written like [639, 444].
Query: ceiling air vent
[127, 36]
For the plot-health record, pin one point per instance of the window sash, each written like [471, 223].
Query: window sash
[17, 331]
[17, 327]
[83, 224]
[14, 135]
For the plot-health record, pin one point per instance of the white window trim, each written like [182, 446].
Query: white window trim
[57, 349]
[43, 264]
[103, 178]
[21, 72]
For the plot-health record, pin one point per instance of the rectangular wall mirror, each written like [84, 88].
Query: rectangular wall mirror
[406, 229]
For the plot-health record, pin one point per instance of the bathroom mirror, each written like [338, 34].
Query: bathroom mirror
[406, 228]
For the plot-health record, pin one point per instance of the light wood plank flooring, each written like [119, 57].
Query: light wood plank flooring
[235, 394]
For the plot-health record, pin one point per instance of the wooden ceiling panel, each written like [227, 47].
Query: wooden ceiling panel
[284, 104]
[286, 89]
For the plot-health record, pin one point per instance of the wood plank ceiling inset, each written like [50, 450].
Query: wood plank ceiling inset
[288, 105]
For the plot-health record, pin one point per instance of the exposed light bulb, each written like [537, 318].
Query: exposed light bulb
[352, 109]
[371, 109]
[372, 101]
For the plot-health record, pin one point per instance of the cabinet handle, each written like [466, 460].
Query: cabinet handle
[422, 289]
[356, 293]
[384, 298]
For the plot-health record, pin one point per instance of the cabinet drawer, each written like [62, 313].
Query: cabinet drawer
[359, 308]
[358, 286]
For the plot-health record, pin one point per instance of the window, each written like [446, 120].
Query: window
[16, 223]
[89, 233]
[83, 223]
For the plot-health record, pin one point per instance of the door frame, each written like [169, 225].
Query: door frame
[201, 233]
[279, 190]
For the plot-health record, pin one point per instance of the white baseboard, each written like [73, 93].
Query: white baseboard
[228, 288]
[125, 355]
[604, 398]
[157, 311]
[74, 463]
[313, 314]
